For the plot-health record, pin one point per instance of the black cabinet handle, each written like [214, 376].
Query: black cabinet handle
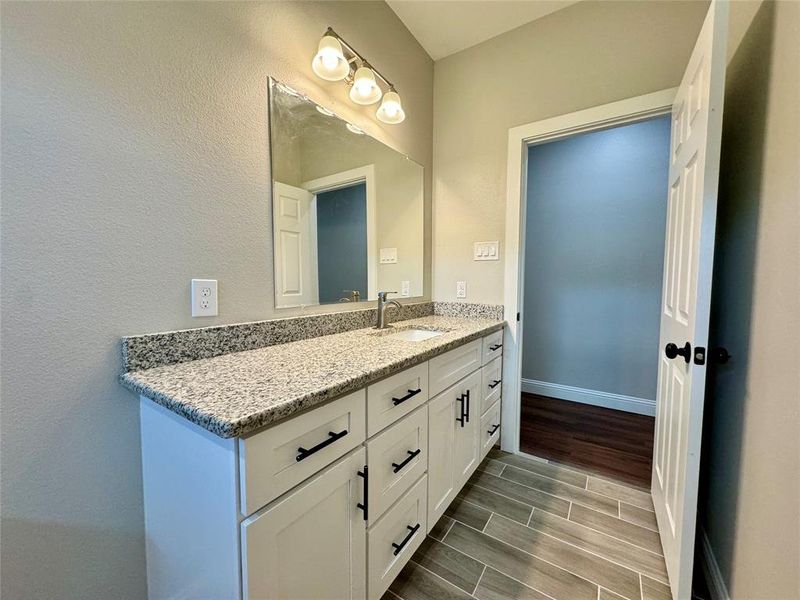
[462, 419]
[365, 507]
[401, 545]
[409, 458]
[494, 384]
[493, 429]
[467, 406]
[495, 347]
[672, 351]
[302, 453]
[410, 394]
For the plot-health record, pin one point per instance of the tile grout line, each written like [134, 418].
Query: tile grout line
[571, 502]
[578, 471]
[544, 560]
[477, 583]
[641, 587]
[555, 494]
[569, 512]
[449, 583]
[498, 570]
[596, 553]
[619, 511]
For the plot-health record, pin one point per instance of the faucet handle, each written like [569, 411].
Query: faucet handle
[382, 295]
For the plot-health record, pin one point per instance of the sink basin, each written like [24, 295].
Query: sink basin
[414, 335]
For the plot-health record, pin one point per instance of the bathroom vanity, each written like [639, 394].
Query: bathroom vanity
[314, 468]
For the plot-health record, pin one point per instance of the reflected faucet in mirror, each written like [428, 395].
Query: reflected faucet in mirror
[352, 296]
[383, 303]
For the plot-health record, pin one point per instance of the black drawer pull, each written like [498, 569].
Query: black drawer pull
[302, 453]
[494, 384]
[467, 411]
[365, 507]
[493, 429]
[495, 347]
[462, 419]
[410, 394]
[411, 455]
[401, 545]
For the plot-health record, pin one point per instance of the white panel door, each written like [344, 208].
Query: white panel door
[294, 243]
[311, 543]
[689, 254]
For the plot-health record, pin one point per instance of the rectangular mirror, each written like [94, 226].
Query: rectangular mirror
[347, 210]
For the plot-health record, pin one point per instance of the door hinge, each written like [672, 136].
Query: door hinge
[699, 355]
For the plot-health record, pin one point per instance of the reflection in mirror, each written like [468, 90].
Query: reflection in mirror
[347, 210]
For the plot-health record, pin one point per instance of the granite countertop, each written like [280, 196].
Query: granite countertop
[235, 394]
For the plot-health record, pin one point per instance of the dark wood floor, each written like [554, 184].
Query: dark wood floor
[608, 442]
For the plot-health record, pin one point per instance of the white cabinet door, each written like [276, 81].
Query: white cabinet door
[453, 442]
[467, 449]
[441, 447]
[311, 543]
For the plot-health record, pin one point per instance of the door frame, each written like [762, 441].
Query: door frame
[622, 112]
[345, 179]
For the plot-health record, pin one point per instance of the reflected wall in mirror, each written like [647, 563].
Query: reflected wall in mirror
[347, 210]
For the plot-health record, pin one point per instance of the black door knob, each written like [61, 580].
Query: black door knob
[721, 355]
[672, 351]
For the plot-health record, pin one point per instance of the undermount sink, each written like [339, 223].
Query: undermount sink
[414, 335]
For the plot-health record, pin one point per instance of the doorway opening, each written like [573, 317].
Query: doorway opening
[596, 210]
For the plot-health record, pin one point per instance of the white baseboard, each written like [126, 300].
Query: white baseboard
[641, 406]
[714, 580]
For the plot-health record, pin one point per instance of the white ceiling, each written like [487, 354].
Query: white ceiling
[444, 27]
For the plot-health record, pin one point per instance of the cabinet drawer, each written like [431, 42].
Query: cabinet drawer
[491, 375]
[490, 428]
[274, 460]
[393, 539]
[451, 366]
[492, 346]
[396, 458]
[396, 396]
[310, 543]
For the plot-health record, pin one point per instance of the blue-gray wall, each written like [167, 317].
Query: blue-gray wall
[342, 242]
[596, 214]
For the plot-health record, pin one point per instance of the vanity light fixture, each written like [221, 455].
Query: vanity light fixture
[391, 110]
[336, 60]
[365, 90]
[329, 62]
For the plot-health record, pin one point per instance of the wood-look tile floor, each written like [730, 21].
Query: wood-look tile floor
[530, 529]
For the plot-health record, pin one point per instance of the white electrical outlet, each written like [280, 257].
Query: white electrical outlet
[461, 289]
[204, 298]
[405, 288]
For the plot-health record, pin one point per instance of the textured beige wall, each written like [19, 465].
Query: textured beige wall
[751, 472]
[587, 54]
[134, 157]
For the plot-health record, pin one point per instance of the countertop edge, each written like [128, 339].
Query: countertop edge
[291, 407]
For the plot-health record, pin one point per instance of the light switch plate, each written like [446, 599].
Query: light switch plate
[388, 256]
[461, 289]
[486, 251]
[405, 288]
[205, 302]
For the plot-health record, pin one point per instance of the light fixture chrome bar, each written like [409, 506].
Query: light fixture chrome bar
[360, 57]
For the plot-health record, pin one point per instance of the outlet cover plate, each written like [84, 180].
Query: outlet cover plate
[461, 289]
[205, 301]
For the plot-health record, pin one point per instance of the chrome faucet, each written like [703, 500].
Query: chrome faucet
[382, 304]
